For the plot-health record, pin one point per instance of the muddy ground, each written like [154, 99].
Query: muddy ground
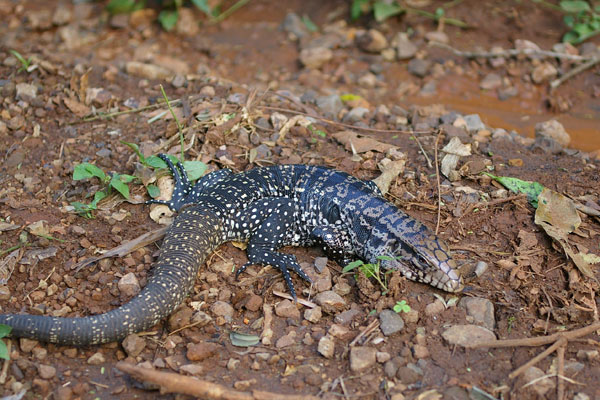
[94, 82]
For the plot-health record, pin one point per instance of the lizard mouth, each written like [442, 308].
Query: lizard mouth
[439, 274]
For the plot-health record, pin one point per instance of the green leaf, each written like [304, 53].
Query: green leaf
[357, 8]
[99, 195]
[385, 258]
[155, 162]
[352, 265]
[153, 191]
[370, 270]
[4, 350]
[243, 339]
[203, 6]
[309, 24]
[127, 178]
[124, 6]
[194, 169]
[382, 11]
[118, 184]
[569, 20]
[570, 37]
[87, 170]
[4, 330]
[439, 13]
[168, 19]
[349, 97]
[137, 151]
[574, 6]
[531, 189]
[85, 210]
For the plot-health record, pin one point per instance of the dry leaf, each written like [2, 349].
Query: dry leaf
[558, 216]
[77, 108]
[389, 171]
[363, 144]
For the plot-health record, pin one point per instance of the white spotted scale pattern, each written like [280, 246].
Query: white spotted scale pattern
[269, 207]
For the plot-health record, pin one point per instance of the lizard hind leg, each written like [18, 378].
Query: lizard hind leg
[270, 224]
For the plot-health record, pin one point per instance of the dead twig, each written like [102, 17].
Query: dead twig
[439, 186]
[306, 303]
[493, 203]
[560, 391]
[174, 383]
[577, 70]
[510, 53]
[340, 124]
[125, 248]
[423, 151]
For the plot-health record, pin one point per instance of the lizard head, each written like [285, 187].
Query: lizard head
[428, 262]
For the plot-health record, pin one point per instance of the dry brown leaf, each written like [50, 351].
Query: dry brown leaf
[362, 144]
[389, 172]
[557, 215]
[77, 108]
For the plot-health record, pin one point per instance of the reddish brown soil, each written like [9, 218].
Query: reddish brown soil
[545, 294]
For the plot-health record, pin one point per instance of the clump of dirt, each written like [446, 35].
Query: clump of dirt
[260, 89]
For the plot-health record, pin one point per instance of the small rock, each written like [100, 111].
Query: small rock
[62, 15]
[581, 396]
[27, 345]
[345, 317]
[482, 311]
[293, 24]
[96, 359]
[201, 351]
[232, 364]
[63, 393]
[456, 393]
[390, 322]
[315, 57]
[207, 91]
[491, 81]
[178, 81]
[326, 346]
[367, 80]
[180, 318]
[342, 288]
[286, 340]
[437, 36]
[148, 71]
[330, 301]
[320, 264]
[313, 314]
[473, 122]
[372, 41]
[589, 355]
[507, 93]
[554, 130]
[187, 22]
[515, 162]
[192, 369]
[419, 67]
[420, 351]
[405, 49]
[543, 73]
[4, 293]
[434, 308]
[129, 285]
[26, 91]
[339, 331]
[254, 303]
[355, 115]
[201, 318]
[287, 309]
[222, 309]
[362, 357]
[533, 376]
[133, 345]
[407, 375]
[382, 357]
[46, 371]
[411, 317]
[330, 105]
[467, 335]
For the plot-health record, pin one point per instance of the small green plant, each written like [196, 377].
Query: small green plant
[25, 63]
[581, 19]
[118, 182]
[401, 306]
[511, 321]
[372, 270]
[383, 10]
[4, 331]
[169, 13]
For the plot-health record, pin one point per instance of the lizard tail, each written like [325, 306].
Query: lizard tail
[194, 234]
